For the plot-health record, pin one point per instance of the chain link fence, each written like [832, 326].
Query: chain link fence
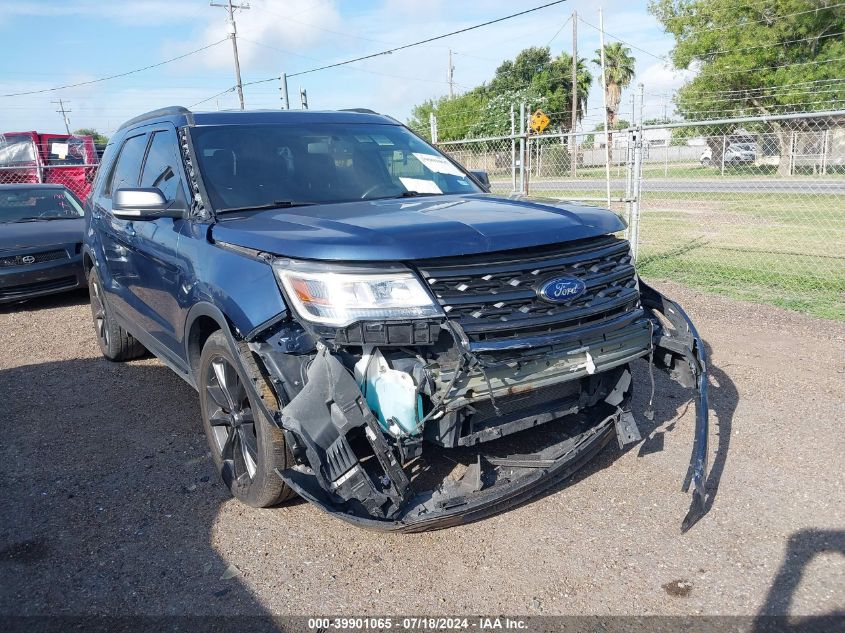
[750, 207]
[30, 158]
[77, 178]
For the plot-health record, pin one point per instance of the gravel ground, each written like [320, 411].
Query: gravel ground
[111, 505]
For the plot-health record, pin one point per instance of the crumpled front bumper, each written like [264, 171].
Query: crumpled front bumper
[330, 405]
[681, 352]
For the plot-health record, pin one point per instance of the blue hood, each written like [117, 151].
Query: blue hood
[24, 235]
[414, 228]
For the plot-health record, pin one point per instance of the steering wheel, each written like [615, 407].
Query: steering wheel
[388, 186]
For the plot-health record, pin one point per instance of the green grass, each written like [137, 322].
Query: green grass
[781, 249]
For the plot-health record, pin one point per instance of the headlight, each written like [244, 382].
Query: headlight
[344, 295]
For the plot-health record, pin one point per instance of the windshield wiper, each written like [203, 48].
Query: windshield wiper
[416, 194]
[46, 218]
[276, 204]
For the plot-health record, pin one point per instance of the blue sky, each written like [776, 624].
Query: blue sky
[55, 42]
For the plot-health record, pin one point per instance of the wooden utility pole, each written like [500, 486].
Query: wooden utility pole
[233, 35]
[64, 113]
[573, 145]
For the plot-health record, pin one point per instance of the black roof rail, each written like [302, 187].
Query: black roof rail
[359, 110]
[153, 114]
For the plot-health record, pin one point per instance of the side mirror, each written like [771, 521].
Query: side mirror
[143, 203]
[482, 177]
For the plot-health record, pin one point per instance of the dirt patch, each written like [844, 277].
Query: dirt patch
[106, 464]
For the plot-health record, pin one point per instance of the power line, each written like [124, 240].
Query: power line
[358, 68]
[619, 39]
[426, 41]
[779, 87]
[221, 93]
[788, 65]
[773, 18]
[754, 48]
[786, 94]
[562, 26]
[130, 72]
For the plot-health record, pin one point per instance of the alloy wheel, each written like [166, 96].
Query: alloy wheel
[98, 311]
[232, 421]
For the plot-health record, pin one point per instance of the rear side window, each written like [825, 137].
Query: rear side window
[161, 169]
[128, 165]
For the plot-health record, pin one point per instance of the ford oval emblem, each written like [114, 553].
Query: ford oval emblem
[562, 289]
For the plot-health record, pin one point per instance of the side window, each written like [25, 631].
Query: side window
[128, 165]
[162, 166]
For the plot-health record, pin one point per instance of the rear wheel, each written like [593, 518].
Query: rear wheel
[115, 343]
[246, 447]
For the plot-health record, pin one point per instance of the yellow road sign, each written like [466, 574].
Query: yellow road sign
[539, 121]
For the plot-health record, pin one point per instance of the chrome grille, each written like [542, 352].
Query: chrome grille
[494, 295]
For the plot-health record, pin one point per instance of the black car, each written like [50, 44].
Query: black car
[40, 241]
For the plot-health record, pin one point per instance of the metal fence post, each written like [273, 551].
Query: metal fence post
[636, 182]
[522, 180]
[432, 124]
[724, 143]
[629, 177]
[825, 148]
[793, 149]
[513, 150]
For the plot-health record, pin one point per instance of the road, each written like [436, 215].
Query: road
[703, 185]
[111, 506]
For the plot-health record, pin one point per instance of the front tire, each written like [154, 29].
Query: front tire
[115, 343]
[246, 447]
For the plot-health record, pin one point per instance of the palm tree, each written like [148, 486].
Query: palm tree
[618, 73]
[563, 65]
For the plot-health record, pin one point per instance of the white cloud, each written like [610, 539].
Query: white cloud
[271, 33]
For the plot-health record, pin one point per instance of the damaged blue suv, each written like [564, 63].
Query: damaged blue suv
[367, 326]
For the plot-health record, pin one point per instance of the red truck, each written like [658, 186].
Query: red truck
[64, 159]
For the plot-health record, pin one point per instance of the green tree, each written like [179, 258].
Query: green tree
[757, 58]
[532, 77]
[99, 139]
[521, 72]
[618, 73]
[495, 118]
[555, 84]
[455, 115]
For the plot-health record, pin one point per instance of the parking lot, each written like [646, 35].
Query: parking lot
[112, 506]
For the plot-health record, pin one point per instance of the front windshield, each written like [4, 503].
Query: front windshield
[247, 166]
[27, 205]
